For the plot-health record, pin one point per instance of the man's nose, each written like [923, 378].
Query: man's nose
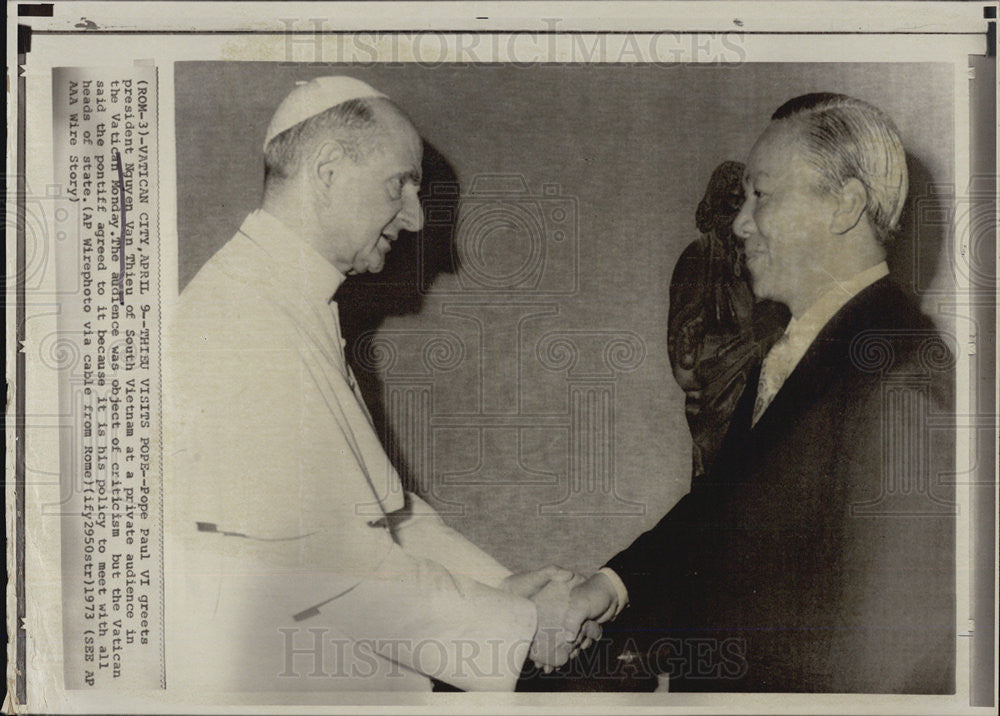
[411, 216]
[743, 225]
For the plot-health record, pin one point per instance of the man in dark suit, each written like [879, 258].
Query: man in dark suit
[818, 553]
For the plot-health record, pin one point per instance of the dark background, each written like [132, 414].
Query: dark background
[627, 150]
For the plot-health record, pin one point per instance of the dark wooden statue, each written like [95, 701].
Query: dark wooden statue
[717, 332]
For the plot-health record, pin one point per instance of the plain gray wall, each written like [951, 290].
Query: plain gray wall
[632, 147]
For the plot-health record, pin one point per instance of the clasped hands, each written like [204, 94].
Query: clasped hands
[570, 607]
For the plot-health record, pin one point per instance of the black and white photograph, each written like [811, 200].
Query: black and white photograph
[576, 366]
[616, 249]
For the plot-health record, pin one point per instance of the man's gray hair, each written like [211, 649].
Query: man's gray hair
[846, 138]
[352, 123]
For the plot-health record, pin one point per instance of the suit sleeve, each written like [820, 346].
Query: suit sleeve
[653, 565]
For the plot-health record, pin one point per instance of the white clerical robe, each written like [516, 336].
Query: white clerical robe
[295, 561]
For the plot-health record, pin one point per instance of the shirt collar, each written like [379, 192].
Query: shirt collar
[296, 265]
[806, 327]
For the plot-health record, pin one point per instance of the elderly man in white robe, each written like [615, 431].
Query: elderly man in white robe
[296, 561]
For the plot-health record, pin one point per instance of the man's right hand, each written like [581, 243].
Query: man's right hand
[528, 584]
[594, 599]
[553, 644]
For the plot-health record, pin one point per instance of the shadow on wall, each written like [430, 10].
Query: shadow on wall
[915, 256]
[416, 260]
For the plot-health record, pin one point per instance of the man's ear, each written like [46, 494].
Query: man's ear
[851, 202]
[325, 162]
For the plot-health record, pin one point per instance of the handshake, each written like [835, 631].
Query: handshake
[570, 607]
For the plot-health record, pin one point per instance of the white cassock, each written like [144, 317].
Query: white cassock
[290, 561]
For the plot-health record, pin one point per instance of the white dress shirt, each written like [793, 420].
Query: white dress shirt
[285, 513]
[800, 333]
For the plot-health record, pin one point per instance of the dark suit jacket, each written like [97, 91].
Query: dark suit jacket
[818, 554]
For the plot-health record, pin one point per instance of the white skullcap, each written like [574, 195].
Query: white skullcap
[310, 98]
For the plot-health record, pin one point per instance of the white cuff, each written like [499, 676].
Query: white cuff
[620, 591]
